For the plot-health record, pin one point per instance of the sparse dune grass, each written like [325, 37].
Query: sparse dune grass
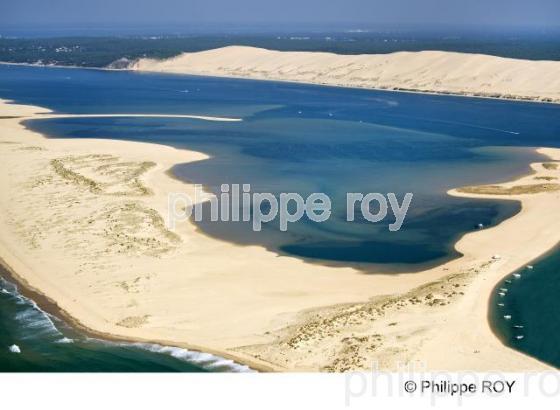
[132, 228]
[514, 190]
[545, 178]
[104, 174]
[359, 331]
[133, 321]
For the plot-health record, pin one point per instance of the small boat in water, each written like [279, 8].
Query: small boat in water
[519, 337]
[508, 281]
[503, 289]
[518, 326]
[502, 294]
[501, 304]
[507, 317]
[530, 267]
[516, 275]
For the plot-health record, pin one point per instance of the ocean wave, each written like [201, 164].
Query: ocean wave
[32, 318]
[7, 287]
[205, 360]
[40, 324]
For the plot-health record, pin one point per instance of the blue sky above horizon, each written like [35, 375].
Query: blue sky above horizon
[458, 13]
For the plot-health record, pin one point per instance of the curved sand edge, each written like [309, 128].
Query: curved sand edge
[439, 72]
[211, 295]
[51, 307]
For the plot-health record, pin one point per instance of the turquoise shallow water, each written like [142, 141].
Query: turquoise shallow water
[299, 138]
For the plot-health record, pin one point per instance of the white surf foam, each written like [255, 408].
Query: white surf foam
[39, 322]
[65, 340]
[204, 360]
[14, 349]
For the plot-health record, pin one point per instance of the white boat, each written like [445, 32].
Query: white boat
[507, 317]
[518, 326]
[503, 289]
[15, 349]
[519, 337]
[501, 304]
[502, 294]
[516, 275]
[530, 267]
[508, 281]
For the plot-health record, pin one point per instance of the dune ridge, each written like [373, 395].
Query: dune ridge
[440, 72]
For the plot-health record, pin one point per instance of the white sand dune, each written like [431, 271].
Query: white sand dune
[424, 71]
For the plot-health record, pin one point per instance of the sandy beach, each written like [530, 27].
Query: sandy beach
[82, 222]
[439, 72]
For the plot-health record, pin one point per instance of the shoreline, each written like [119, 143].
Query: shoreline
[545, 252]
[491, 308]
[51, 307]
[238, 356]
[318, 84]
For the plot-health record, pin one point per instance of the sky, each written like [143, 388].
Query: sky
[273, 13]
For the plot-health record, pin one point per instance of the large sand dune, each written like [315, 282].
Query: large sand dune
[425, 71]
